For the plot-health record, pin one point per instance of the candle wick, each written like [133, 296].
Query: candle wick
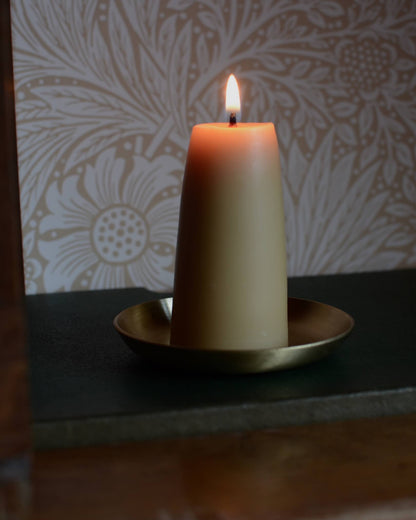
[233, 119]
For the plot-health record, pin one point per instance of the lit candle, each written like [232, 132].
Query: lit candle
[230, 287]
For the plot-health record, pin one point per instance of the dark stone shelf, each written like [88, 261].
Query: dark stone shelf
[87, 387]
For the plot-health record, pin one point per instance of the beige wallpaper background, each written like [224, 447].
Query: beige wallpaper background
[107, 92]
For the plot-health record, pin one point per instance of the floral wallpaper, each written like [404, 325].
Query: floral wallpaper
[107, 92]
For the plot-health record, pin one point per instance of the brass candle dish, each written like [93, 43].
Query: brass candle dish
[315, 329]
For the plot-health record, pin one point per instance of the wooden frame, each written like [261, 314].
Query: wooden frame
[14, 407]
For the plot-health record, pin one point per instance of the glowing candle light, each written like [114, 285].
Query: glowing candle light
[232, 99]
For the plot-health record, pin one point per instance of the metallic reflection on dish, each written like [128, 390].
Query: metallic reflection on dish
[315, 329]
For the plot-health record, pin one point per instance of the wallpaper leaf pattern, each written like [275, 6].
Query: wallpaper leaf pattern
[107, 92]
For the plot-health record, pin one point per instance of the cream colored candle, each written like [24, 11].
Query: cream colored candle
[230, 289]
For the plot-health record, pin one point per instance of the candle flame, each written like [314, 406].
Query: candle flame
[232, 96]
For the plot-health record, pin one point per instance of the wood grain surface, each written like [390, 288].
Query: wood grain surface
[364, 469]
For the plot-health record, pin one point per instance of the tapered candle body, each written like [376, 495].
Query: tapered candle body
[230, 288]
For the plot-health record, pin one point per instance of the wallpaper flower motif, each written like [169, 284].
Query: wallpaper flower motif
[115, 228]
[107, 92]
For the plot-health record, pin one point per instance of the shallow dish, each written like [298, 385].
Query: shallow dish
[315, 329]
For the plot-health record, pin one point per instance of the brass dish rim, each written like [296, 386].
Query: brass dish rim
[334, 339]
